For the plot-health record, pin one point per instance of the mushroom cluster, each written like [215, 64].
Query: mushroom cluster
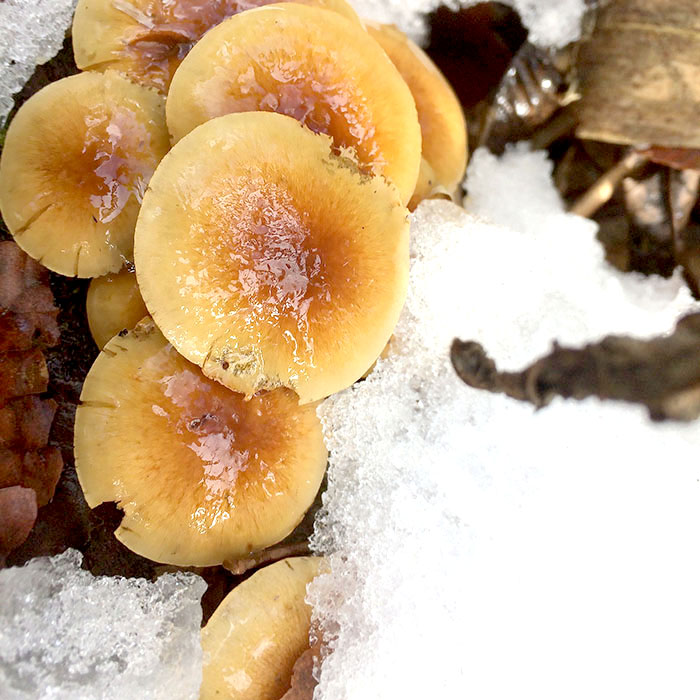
[236, 176]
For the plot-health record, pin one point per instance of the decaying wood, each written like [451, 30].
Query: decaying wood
[663, 373]
[640, 74]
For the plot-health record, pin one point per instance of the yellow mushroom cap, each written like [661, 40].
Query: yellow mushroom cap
[113, 304]
[310, 64]
[202, 474]
[76, 161]
[270, 261]
[442, 122]
[258, 631]
[147, 39]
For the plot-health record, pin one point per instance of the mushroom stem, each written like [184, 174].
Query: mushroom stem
[603, 189]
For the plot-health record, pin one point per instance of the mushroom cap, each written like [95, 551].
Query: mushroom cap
[113, 304]
[147, 39]
[76, 161]
[270, 261]
[310, 64]
[442, 122]
[258, 631]
[202, 474]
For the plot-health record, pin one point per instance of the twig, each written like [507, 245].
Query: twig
[603, 189]
[240, 566]
[560, 125]
[662, 374]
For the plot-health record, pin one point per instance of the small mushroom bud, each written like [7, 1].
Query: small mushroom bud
[310, 64]
[147, 39]
[270, 261]
[76, 161]
[113, 304]
[257, 633]
[442, 123]
[202, 474]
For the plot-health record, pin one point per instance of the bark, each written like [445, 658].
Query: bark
[662, 374]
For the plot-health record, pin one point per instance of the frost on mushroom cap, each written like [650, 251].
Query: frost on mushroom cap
[76, 161]
[202, 474]
[147, 39]
[258, 631]
[113, 304]
[268, 260]
[442, 122]
[310, 64]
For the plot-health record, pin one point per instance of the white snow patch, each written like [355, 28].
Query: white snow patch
[31, 33]
[67, 635]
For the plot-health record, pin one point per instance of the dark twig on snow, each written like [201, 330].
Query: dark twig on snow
[662, 374]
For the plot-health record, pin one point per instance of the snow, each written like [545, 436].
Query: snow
[549, 22]
[31, 33]
[481, 549]
[67, 635]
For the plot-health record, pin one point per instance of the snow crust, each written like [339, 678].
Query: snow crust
[481, 549]
[549, 22]
[31, 33]
[67, 635]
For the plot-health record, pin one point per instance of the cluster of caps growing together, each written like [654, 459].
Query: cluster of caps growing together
[236, 176]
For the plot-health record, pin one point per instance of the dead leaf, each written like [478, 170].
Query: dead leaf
[17, 515]
[677, 158]
[640, 74]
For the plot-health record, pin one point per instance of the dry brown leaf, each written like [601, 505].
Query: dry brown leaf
[677, 158]
[17, 515]
[641, 74]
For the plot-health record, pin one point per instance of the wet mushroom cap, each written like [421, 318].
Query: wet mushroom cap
[442, 122]
[270, 261]
[113, 304]
[257, 633]
[202, 474]
[147, 39]
[76, 161]
[310, 64]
